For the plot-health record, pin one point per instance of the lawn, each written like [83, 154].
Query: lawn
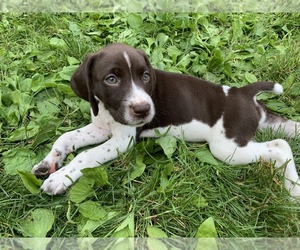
[149, 191]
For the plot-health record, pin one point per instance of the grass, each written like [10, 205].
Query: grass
[144, 192]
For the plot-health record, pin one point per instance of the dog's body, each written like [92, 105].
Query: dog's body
[130, 99]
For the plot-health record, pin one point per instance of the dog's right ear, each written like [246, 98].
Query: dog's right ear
[82, 84]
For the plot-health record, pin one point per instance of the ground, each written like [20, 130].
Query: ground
[162, 187]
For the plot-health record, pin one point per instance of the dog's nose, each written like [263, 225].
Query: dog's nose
[141, 109]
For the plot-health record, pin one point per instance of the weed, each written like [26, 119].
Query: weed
[153, 190]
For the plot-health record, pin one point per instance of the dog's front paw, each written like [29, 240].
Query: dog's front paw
[41, 170]
[57, 183]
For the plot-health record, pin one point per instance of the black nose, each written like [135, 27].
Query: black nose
[141, 109]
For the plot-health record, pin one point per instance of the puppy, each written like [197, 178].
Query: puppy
[129, 99]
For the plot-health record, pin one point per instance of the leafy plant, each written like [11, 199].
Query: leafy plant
[162, 187]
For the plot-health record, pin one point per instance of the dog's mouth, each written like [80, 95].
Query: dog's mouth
[137, 114]
[127, 117]
[138, 122]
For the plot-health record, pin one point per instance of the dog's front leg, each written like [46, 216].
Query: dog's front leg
[59, 181]
[67, 143]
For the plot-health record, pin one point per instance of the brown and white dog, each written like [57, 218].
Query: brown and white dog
[129, 99]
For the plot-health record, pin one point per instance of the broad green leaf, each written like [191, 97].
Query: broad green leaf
[44, 57]
[207, 244]
[135, 6]
[277, 105]
[126, 228]
[18, 159]
[74, 28]
[216, 63]
[30, 181]
[155, 232]
[168, 169]
[25, 103]
[228, 71]
[97, 174]
[66, 89]
[281, 49]
[162, 39]
[32, 243]
[135, 20]
[237, 29]
[164, 179]
[123, 244]
[72, 61]
[184, 61]
[39, 83]
[47, 129]
[13, 115]
[23, 133]
[157, 55]
[207, 234]
[204, 155]
[215, 41]
[92, 210]
[199, 68]
[207, 229]
[81, 190]
[86, 226]
[14, 96]
[48, 107]
[156, 244]
[150, 41]
[174, 52]
[259, 29]
[139, 168]
[199, 201]
[57, 42]
[122, 233]
[38, 224]
[67, 72]
[164, 183]
[24, 85]
[85, 107]
[250, 77]
[168, 144]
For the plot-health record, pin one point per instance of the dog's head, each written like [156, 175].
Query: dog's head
[120, 77]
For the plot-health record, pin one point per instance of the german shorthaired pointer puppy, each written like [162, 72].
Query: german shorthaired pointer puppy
[129, 99]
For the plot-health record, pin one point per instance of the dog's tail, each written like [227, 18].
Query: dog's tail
[258, 87]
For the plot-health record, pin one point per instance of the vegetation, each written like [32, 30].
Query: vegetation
[162, 187]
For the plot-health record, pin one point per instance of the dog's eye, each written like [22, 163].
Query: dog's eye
[111, 79]
[146, 77]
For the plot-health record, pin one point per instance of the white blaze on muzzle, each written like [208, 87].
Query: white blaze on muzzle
[138, 105]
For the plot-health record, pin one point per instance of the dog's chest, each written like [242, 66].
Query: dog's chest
[104, 119]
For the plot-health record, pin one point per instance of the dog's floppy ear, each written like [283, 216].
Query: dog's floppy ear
[82, 84]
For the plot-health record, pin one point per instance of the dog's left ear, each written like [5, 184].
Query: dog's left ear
[82, 83]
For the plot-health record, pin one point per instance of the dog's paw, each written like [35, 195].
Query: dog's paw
[41, 170]
[57, 183]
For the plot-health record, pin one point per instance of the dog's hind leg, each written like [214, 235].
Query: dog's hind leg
[279, 151]
[278, 123]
